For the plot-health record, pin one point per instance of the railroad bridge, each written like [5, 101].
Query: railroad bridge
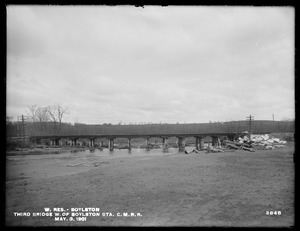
[57, 139]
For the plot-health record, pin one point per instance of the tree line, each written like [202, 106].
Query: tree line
[43, 116]
[51, 128]
[48, 120]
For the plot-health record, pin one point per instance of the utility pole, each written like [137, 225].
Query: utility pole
[273, 123]
[21, 129]
[250, 124]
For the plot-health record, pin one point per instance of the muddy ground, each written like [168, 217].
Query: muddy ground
[217, 189]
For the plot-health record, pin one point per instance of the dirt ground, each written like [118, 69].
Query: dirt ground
[216, 189]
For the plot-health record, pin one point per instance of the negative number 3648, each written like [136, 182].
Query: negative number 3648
[273, 213]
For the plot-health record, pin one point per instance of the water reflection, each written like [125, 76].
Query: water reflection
[131, 152]
[105, 152]
[83, 157]
[165, 150]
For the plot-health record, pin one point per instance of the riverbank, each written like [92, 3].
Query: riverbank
[217, 189]
[43, 149]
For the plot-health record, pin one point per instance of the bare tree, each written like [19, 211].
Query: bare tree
[32, 112]
[51, 110]
[61, 110]
[42, 114]
[56, 113]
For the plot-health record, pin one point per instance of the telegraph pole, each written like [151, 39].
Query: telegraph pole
[21, 128]
[250, 124]
[273, 123]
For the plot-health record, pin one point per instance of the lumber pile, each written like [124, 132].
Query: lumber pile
[210, 149]
[260, 142]
[257, 142]
[239, 145]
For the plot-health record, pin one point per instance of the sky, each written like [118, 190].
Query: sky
[175, 64]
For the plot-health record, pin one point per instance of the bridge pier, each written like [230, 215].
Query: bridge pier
[213, 142]
[111, 144]
[91, 143]
[199, 143]
[147, 142]
[165, 142]
[181, 143]
[72, 142]
[129, 143]
[54, 142]
[216, 141]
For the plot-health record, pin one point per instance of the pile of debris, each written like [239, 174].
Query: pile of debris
[239, 145]
[214, 149]
[257, 142]
[260, 142]
[209, 149]
[189, 152]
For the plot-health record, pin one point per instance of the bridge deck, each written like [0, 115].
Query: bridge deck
[132, 136]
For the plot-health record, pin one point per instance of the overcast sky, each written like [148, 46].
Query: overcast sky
[153, 64]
